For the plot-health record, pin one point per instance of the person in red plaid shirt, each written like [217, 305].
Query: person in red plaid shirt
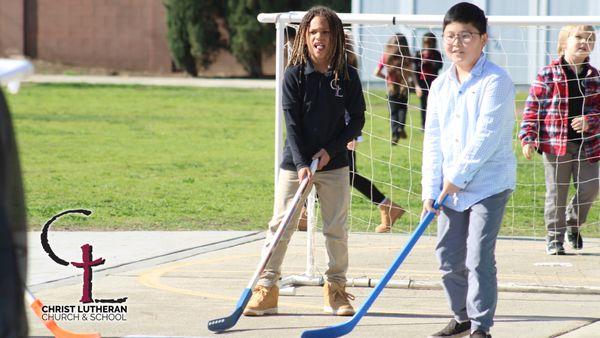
[561, 120]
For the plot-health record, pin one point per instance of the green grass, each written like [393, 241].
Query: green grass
[147, 158]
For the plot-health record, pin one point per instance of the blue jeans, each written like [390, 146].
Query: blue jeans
[465, 250]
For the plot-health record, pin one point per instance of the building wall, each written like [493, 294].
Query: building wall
[226, 65]
[129, 36]
[11, 27]
[120, 35]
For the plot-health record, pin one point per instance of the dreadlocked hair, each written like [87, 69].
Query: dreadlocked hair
[299, 55]
[351, 59]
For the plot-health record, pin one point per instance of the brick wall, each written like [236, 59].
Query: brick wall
[122, 35]
[11, 27]
[115, 34]
[226, 65]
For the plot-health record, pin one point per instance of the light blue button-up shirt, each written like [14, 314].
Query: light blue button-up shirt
[468, 135]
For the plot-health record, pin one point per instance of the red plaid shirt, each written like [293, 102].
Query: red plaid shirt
[545, 117]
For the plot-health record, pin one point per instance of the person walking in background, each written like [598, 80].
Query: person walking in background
[561, 120]
[428, 63]
[399, 77]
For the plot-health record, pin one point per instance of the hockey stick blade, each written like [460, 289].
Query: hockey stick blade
[222, 324]
[333, 331]
[346, 327]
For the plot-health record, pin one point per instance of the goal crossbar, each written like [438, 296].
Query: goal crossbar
[428, 20]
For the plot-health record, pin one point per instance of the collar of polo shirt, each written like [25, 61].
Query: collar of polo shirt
[309, 68]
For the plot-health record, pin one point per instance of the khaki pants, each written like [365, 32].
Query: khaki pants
[334, 197]
[559, 170]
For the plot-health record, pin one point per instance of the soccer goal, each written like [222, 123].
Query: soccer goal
[520, 44]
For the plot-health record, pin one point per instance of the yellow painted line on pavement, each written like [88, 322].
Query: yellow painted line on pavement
[152, 279]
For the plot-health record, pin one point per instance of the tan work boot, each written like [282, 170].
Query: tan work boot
[263, 301]
[303, 220]
[337, 300]
[390, 212]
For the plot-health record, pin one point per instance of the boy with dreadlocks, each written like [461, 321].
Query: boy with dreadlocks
[318, 88]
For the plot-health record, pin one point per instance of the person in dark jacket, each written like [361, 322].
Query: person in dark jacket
[318, 89]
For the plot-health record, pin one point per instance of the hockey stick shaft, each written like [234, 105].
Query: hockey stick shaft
[225, 323]
[346, 327]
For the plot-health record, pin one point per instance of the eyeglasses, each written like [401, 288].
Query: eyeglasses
[464, 37]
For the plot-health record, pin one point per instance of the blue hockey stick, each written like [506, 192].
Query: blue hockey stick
[346, 327]
[222, 324]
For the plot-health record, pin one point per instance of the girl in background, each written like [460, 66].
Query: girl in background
[399, 74]
[428, 63]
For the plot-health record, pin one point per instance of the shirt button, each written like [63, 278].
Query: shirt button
[456, 140]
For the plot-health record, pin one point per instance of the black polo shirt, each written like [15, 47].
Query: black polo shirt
[316, 120]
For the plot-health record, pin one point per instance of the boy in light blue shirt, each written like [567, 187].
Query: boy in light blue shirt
[467, 154]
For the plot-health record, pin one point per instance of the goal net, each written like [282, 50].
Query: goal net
[521, 45]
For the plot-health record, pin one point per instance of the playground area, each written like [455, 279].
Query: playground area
[175, 282]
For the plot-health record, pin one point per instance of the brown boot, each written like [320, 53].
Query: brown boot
[303, 220]
[390, 212]
[337, 300]
[263, 301]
